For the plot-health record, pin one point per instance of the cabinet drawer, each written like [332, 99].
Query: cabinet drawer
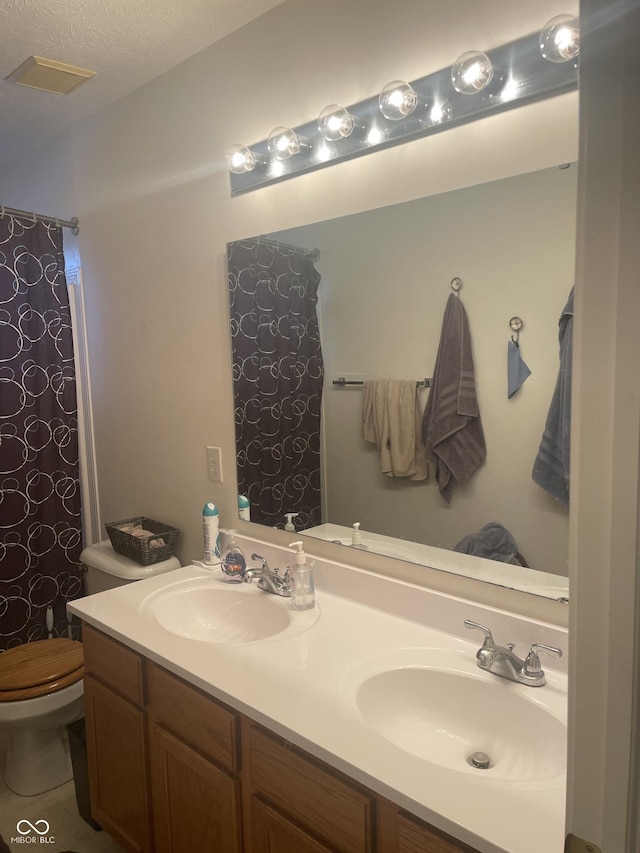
[417, 837]
[314, 796]
[201, 721]
[113, 664]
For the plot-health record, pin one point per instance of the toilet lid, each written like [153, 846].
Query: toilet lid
[38, 668]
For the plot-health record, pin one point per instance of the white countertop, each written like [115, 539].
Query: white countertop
[301, 684]
[521, 578]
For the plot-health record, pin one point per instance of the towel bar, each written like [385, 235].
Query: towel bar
[341, 381]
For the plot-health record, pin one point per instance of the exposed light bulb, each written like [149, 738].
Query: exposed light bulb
[284, 142]
[560, 39]
[336, 122]
[397, 100]
[472, 72]
[241, 159]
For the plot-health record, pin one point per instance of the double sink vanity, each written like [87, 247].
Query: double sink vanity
[220, 718]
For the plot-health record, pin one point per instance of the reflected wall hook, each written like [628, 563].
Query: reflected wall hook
[516, 324]
[456, 284]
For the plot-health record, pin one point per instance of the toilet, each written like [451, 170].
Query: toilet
[104, 569]
[40, 693]
[41, 688]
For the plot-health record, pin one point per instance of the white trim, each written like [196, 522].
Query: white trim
[91, 521]
[602, 796]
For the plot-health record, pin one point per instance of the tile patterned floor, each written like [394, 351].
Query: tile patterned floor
[58, 807]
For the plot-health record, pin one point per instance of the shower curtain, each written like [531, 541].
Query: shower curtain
[278, 375]
[40, 527]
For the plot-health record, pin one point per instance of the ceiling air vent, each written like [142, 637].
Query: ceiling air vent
[49, 75]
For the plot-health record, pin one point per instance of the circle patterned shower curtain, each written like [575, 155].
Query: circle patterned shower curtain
[278, 375]
[40, 521]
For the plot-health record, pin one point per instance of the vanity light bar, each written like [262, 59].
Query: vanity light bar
[476, 86]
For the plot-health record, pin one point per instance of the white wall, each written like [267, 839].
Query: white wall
[385, 282]
[146, 178]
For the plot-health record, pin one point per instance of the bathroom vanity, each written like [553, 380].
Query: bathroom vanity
[196, 774]
[345, 728]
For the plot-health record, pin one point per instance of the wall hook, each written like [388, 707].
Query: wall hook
[516, 324]
[456, 284]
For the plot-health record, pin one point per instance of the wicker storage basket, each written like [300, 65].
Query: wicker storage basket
[139, 548]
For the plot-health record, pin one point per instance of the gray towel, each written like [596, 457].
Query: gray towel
[451, 426]
[551, 467]
[493, 542]
[517, 370]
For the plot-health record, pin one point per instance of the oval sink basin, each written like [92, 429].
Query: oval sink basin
[224, 614]
[445, 717]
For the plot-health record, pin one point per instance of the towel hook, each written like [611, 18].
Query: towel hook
[456, 284]
[516, 324]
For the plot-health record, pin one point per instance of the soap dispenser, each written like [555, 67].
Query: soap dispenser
[303, 596]
[356, 538]
[233, 563]
[289, 526]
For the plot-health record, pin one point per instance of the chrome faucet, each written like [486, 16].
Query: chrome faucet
[268, 580]
[502, 661]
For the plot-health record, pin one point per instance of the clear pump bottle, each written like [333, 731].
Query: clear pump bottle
[303, 596]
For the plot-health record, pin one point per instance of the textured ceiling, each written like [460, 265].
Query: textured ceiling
[127, 42]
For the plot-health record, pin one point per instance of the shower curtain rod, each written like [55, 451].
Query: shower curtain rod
[73, 223]
[313, 254]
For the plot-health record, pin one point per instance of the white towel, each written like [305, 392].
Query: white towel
[391, 420]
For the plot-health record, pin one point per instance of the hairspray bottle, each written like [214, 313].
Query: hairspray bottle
[211, 525]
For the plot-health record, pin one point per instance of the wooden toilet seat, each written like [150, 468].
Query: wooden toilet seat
[38, 668]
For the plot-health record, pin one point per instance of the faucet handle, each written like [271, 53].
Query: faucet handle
[265, 567]
[488, 636]
[532, 663]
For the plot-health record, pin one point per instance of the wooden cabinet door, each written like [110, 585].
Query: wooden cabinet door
[116, 749]
[271, 832]
[196, 805]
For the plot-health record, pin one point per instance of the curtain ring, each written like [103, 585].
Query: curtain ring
[2, 211]
[33, 216]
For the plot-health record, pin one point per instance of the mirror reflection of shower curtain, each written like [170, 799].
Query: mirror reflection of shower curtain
[40, 526]
[277, 375]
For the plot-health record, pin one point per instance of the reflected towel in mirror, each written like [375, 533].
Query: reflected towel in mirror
[517, 370]
[493, 542]
[551, 467]
[391, 420]
[451, 426]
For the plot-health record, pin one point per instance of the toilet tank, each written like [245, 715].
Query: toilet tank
[106, 570]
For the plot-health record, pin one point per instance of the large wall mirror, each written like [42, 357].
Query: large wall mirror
[382, 279]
